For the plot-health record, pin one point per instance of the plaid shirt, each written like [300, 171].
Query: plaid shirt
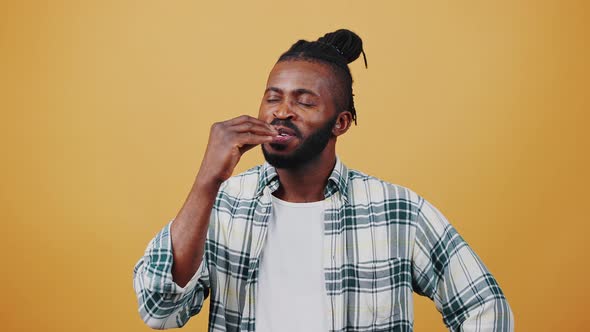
[382, 243]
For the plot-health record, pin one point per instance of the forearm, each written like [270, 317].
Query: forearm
[189, 229]
[171, 280]
[228, 140]
[162, 303]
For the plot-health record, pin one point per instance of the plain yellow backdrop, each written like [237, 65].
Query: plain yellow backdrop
[479, 106]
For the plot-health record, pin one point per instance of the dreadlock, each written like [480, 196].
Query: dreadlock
[336, 49]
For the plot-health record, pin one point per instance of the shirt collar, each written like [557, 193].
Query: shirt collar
[337, 181]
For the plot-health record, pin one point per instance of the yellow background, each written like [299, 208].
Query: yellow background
[481, 107]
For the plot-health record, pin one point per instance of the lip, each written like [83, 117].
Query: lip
[285, 135]
[285, 131]
[282, 139]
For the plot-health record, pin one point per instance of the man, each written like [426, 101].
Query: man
[302, 243]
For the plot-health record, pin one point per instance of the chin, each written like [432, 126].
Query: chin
[292, 159]
[278, 157]
[277, 147]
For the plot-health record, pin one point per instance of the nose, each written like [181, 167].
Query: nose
[284, 111]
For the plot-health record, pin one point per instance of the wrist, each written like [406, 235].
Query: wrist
[206, 183]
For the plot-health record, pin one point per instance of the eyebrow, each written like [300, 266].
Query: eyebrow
[299, 91]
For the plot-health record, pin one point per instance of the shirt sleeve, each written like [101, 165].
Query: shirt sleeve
[162, 303]
[449, 272]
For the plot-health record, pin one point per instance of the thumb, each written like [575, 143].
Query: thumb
[246, 147]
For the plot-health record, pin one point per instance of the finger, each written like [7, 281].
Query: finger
[255, 128]
[239, 119]
[248, 119]
[248, 138]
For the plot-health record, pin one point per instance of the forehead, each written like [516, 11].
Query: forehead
[291, 75]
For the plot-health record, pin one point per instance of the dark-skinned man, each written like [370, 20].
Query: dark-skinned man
[302, 243]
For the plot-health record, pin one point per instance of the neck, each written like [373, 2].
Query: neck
[307, 182]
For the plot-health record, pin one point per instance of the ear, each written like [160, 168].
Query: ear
[343, 121]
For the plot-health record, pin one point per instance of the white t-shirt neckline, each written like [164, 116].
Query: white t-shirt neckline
[298, 204]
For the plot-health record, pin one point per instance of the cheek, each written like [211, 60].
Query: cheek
[264, 112]
[313, 119]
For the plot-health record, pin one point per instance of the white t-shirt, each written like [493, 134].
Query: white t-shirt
[291, 283]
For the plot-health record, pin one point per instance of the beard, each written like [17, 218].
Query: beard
[309, 149]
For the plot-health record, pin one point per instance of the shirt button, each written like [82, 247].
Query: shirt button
[264, 210]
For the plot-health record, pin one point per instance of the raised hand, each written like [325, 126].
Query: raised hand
[228, 141]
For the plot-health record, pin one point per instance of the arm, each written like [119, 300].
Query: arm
[172, 279]
[449, 272]
[162, 302]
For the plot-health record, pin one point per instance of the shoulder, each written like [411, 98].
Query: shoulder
[367, 187]
[394, 198]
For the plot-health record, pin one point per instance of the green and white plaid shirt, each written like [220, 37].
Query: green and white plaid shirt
[382, 243]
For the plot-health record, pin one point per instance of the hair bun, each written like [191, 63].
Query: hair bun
[348, 43]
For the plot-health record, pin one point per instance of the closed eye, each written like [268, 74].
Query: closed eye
[306, 104]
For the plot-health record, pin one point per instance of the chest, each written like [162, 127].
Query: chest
[365, 252]
[355, 238]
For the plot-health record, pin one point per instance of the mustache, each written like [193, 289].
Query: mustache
[287, 124]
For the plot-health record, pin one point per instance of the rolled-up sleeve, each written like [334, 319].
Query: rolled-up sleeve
[449, 272]
[162, 303]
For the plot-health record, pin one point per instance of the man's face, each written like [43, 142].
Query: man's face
[299, 103]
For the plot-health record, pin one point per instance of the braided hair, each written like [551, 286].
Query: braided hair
[336, 49]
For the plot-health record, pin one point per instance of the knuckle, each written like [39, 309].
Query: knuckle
[241, 138]
[219, 126]
[244, 138]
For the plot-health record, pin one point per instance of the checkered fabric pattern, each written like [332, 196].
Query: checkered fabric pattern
[383, 242]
